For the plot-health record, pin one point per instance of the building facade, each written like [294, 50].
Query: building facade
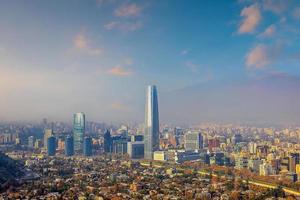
[193, 141]
[78, 130]
[107, 143]
[87, 146]
[47, 134]
[51, 146]
[151, 135]
[135, 149]
[69, 146]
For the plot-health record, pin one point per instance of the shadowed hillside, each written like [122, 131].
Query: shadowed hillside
[9, 170]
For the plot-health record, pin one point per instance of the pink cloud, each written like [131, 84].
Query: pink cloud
[262, 55]
[296, 13]
[119, 107]
[269, 31]
[82, 43]
[119, 71]
[251, 18]
[128, 10]
[123, 26]
[276, 6]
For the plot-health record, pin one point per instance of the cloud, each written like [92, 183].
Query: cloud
[82, 44]
[269, 31]
[123, 26]
[128, 10]
[119, 71]
[191, 66]
[120, 107]
[296, 13]
[102, 2]
[261, 56]
[184, 52]
[251, 18]
[276, 6]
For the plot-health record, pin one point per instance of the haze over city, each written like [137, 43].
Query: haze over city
[160, 99]
[231, 61]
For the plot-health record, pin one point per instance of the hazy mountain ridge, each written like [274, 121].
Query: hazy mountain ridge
[277, 95]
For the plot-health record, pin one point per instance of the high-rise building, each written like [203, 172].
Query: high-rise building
[38, 143]
[78, 130]
[87, 146]
[135, 149]
[47, 134]
[107, 142]
[151, 135]
[193, 141]
[31, 141]
[69, 146]
[51, 146]
[135, 138]
[252, 147]
[119, 145]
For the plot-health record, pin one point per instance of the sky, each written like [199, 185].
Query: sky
[219, 61]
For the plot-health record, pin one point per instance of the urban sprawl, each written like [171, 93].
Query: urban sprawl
[89, 160]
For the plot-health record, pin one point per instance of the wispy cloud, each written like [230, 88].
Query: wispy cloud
[296, 13]
[128, 10]
[270, 31]
[184, 52]
[192, 66]
[276, 6]
[123, 26]
[123, 69]
[82, 44]
[102, 2]
[251, 18]
[119, 71]
[120, 107]
[261, 56]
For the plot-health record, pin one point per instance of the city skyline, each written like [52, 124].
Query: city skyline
[231, 62]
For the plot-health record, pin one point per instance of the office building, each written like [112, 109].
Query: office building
[183, 156]
[252, 147]
[254, 164]
[135, 149]
[51, 146]
[78, 130]
[236, 138]
[31, 141]
[151, 135]
[47, 134]
[69, 146]
[119, 145]
[38, 143]
[107, 146]
[135, 138]
[87, 146]
[241, 162]
[193, 141]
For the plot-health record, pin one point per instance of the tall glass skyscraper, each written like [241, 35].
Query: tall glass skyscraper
[69, 146]
[51, 146]
[87, 146]
[78, 130]
[151, 135]
[107, 142]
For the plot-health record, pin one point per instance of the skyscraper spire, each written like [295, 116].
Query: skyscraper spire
[151, 135]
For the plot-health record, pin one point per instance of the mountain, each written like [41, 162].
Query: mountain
[272, 99]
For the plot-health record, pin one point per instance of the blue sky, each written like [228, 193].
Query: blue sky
[97, 56]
